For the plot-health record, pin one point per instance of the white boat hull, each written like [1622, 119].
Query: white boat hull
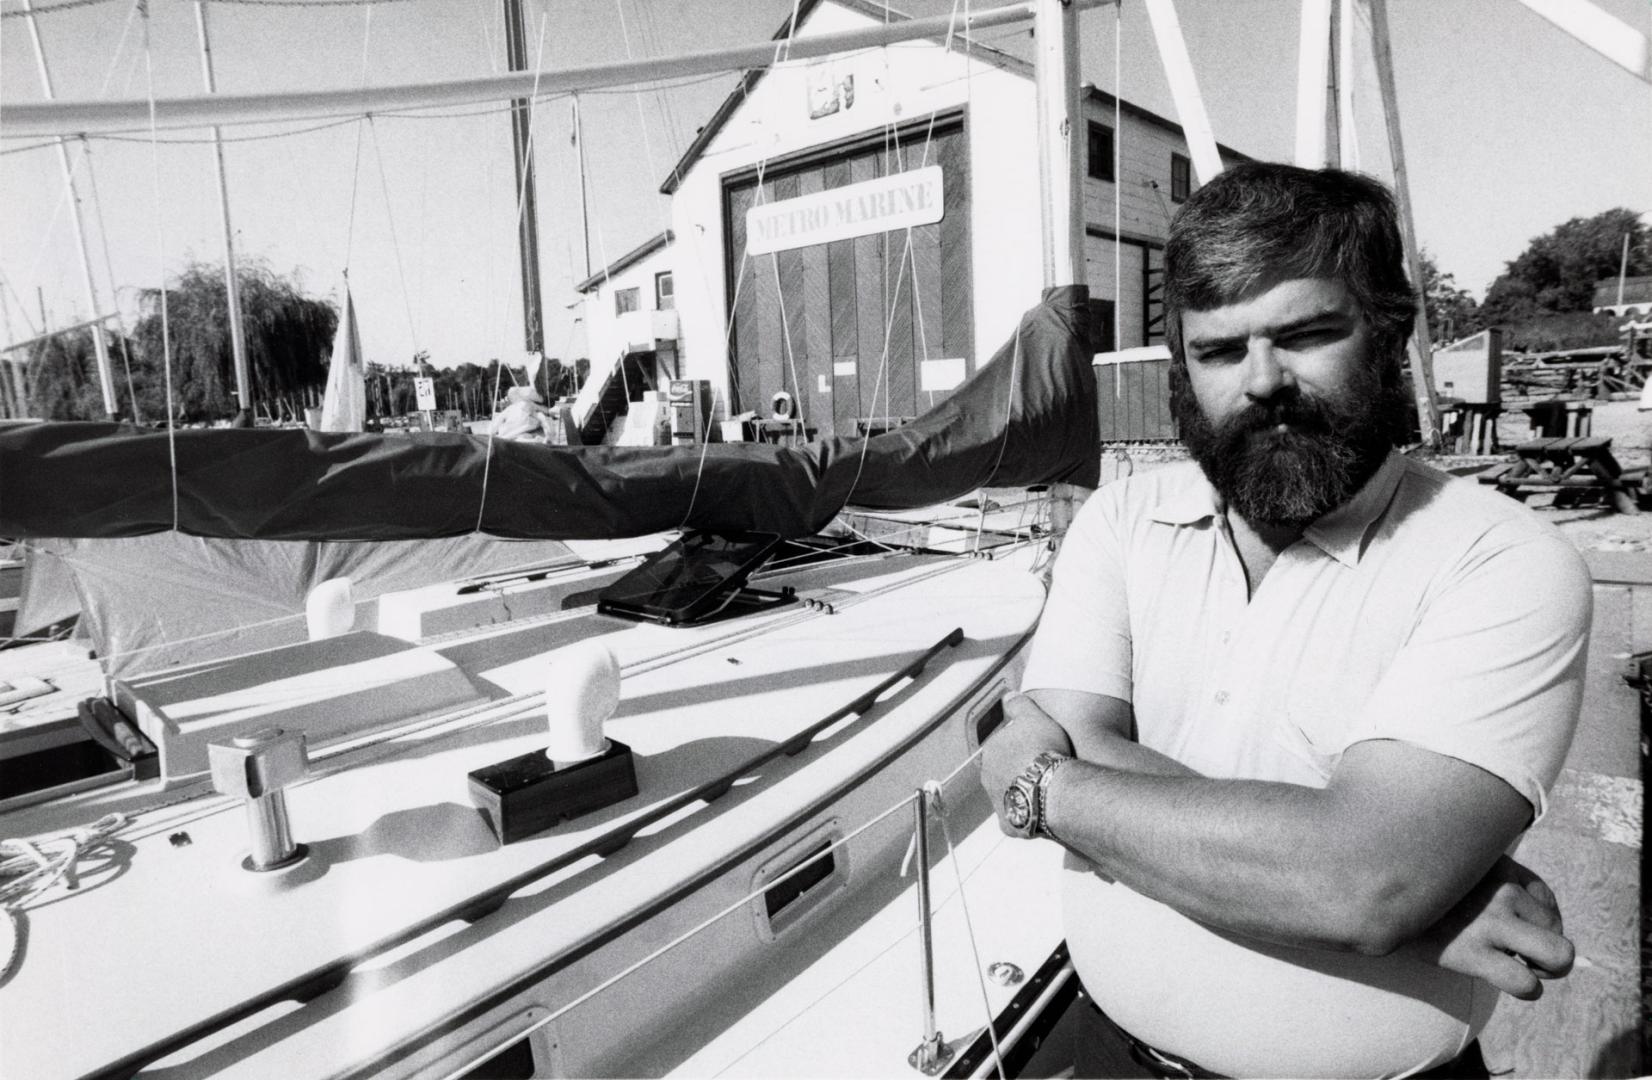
[411, 943]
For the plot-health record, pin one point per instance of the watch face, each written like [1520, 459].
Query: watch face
[1017, 810]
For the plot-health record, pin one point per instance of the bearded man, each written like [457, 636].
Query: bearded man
[1290, 703]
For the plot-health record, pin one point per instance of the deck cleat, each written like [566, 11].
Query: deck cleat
[258, 767]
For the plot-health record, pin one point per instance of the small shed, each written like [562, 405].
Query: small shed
[1133, 395]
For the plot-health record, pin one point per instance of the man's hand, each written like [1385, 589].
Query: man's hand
[1507, 931]
[1026, 732]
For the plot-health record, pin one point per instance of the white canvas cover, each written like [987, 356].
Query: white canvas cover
[344, 408]
[150, 602]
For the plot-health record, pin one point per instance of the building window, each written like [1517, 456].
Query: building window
[1181, 178]
[665, 296]
[626, 300]
[1101, 151]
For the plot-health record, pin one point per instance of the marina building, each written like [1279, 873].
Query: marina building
[861, 231]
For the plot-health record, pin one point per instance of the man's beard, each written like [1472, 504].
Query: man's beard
[1330, 447]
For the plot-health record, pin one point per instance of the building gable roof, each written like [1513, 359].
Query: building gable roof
[629, 259]
[992, 55]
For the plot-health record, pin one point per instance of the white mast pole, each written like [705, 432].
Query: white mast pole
[1313, 63]
[232, 290]
[1605, 33]
[1422, 359]
[100, 344]
[1184, 89]
[1060, 135]
[1348, 139]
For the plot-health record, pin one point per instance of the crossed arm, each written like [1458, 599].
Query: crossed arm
[1402, 849]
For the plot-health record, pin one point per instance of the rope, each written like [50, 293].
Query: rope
[33, 867]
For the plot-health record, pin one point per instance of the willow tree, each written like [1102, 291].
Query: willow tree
[63, 380]
[289, 339]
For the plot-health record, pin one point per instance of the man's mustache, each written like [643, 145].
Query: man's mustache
[1293, 409]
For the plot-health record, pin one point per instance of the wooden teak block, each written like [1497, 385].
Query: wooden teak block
[528, 794]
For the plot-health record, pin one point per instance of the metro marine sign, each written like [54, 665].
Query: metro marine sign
[899, 201]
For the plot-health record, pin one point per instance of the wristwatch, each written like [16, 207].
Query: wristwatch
[1025, 797]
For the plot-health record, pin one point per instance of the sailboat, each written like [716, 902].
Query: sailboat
[308, 858]
[369, 852]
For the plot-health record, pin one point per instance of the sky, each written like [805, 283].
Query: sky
[1509, 128]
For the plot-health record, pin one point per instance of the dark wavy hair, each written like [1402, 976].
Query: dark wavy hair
[1260, 223]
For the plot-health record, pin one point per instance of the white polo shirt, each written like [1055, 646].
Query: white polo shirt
[1427, 610]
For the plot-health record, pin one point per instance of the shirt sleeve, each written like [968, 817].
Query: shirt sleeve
[1493, 673]
[1083, 637]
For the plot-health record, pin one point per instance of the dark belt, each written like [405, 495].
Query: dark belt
[1468, 1065]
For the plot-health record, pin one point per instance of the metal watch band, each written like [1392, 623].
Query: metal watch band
[1041, 798]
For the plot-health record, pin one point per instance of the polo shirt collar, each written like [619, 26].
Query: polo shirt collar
[1190, 503]
[1340, 533]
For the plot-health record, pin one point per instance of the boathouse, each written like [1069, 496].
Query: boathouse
[790, 264]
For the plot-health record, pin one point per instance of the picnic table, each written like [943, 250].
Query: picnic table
[1576, 469]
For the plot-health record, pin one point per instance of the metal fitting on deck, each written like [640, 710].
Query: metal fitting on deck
[258, 767]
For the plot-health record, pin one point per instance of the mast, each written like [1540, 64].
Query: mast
[232, 288]
[100, 343]
[1422, 359]
[516, 52]
[1061, 206]
[584, 208]
[1312, 76]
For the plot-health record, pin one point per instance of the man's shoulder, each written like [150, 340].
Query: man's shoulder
[1455, 514]
[1177, 484]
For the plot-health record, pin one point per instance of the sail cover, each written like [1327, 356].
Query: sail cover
[1026, 417]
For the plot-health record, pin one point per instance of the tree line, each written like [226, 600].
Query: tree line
[289, 340]
[1543, 298]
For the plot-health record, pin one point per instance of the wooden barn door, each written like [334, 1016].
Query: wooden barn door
[846, 327]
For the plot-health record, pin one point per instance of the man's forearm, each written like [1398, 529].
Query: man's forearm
[1250, 857]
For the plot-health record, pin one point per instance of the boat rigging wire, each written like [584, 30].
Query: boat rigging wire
[521, 211]
[693, 931]
[355, 168]
[395, 244]
[932, 791]
[67, 5]
[160, 263]
[109, 271]
[781, 52]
